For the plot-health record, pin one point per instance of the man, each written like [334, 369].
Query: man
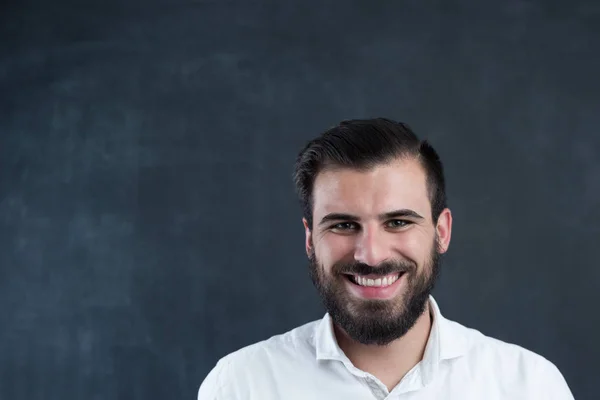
[377, 223]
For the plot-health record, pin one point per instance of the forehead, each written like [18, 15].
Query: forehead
[400, 184]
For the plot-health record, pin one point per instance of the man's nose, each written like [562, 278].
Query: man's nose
[371, 247]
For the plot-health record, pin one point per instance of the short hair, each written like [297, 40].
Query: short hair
[362, 144]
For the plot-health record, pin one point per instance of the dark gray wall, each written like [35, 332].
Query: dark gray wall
[148, 224]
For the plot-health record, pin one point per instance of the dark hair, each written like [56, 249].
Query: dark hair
[362, 144]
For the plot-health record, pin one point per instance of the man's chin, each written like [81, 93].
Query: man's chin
[375, 321]
[369, 312]
[370, 329]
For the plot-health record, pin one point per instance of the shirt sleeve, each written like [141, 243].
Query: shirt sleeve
[210, 388]
[554, 385]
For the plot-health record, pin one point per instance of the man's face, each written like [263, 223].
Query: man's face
[374, 250]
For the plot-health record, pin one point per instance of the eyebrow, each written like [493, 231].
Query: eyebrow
[403, 213]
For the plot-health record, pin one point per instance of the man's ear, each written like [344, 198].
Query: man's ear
[444, 230]
[308, 238]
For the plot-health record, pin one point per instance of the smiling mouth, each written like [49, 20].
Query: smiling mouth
[373, 281]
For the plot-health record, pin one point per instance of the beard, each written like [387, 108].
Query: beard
[372, 321]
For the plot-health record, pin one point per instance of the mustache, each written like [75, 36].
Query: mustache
[383, 269]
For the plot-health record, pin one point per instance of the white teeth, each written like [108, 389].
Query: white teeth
[379, 282]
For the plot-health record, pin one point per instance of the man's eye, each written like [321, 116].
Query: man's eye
[344, 226]
[398, 223]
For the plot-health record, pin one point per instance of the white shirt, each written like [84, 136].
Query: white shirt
[459, 363]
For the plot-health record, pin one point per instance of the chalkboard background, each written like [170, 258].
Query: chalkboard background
[148, 224]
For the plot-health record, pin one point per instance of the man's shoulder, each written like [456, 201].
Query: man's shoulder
[250, 365]
[508, 363]
[478, 345]
[289, 343]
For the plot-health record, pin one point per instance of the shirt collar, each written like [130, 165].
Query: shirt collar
[445, 342]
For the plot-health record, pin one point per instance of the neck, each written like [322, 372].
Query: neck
[391, 362]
